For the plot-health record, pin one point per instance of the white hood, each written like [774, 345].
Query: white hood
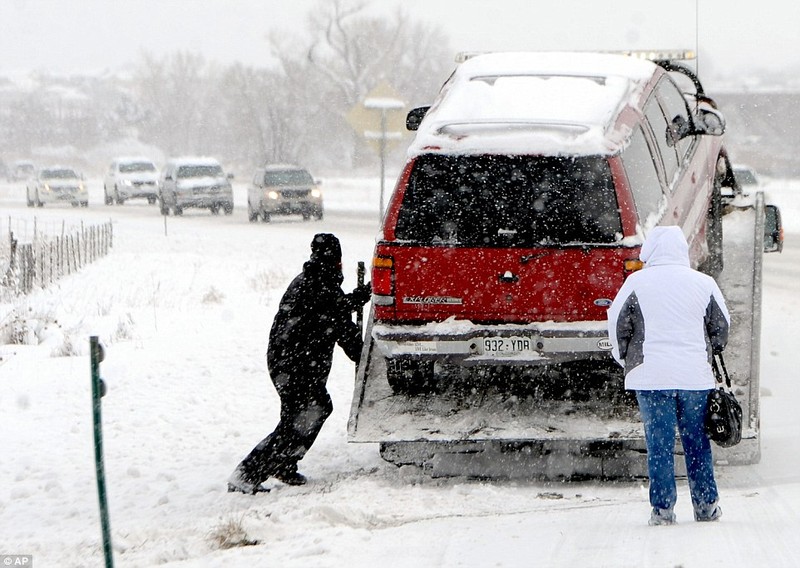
[664, 246]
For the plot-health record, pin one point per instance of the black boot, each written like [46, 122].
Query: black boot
[290, 476]
[238, 483]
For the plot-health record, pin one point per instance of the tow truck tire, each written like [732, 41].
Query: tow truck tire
[714, 264]
[410, 376]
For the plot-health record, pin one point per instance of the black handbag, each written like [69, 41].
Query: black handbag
[723, 411]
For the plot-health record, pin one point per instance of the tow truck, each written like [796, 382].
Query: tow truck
[465, 372]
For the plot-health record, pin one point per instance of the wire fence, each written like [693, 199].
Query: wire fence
[35, 255]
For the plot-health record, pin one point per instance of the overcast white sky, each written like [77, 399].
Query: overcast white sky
[78, 36]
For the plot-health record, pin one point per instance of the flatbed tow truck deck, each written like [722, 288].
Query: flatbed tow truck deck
[590, 432]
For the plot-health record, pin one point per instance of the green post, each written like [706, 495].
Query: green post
[97, 354]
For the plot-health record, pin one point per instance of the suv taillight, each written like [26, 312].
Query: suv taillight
[632, 265]
[383, 280]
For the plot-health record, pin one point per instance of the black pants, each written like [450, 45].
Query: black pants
[305, 405]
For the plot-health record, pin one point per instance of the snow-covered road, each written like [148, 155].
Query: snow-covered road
[184, 317]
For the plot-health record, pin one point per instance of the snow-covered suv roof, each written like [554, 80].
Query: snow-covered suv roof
[133, 160]
[539, 102]
[194, 161]
[272, 167]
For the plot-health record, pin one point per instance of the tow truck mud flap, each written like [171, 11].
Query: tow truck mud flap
[489, 433]
[740, 281]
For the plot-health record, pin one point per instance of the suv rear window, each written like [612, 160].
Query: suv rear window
[288, 177]
[509, 201]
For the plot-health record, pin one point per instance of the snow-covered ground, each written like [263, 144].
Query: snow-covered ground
[184, 317]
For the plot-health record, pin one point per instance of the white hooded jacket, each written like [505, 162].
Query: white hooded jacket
[667, 319]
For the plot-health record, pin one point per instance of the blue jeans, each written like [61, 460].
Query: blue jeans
[662, 411]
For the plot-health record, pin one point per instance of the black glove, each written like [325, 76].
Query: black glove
[362, 294]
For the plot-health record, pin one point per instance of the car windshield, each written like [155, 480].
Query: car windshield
[137, 167]
[59, 174]
[509, 201]
[200, 170]
[288, 177]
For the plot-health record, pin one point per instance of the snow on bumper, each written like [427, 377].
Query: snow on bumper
[468, 343]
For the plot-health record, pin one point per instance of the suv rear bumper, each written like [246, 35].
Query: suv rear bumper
[509, 344]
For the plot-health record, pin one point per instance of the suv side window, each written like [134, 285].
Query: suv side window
[674, 105]
[643, 177]
[659, 125]
[509, 201]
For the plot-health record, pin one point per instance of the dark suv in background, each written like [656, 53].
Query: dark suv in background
[282, 189]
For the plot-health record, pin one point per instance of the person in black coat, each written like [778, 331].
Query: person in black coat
[314, 315]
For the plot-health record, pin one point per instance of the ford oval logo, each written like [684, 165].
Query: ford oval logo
[604, 344]
[602, 302]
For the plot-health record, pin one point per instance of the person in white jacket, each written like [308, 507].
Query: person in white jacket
[664, 324]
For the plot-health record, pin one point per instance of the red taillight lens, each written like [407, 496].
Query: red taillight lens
[383, 275]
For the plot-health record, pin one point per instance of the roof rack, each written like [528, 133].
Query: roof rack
[659, 54]
[650, 54]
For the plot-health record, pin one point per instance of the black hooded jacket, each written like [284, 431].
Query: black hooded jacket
[313, 316]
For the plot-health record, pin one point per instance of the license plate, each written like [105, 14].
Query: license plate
[506, 345]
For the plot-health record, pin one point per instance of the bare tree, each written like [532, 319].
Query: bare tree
[356, 51]
[294, 111]
[350, 53]
[175, 91]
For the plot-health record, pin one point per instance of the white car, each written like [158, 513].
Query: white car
[130, 178]
[195, 182]
[57, 184]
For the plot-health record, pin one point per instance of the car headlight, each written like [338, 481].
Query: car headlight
[272, 195]
[315, 193]
[127, 182]
[46, 187]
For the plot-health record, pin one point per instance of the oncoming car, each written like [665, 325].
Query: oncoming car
[130, 178]
[280, 189]
[57, 185]
[747, 178]
[21, 170]
[195, 182]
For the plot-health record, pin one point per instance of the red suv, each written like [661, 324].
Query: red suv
[529, 188]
